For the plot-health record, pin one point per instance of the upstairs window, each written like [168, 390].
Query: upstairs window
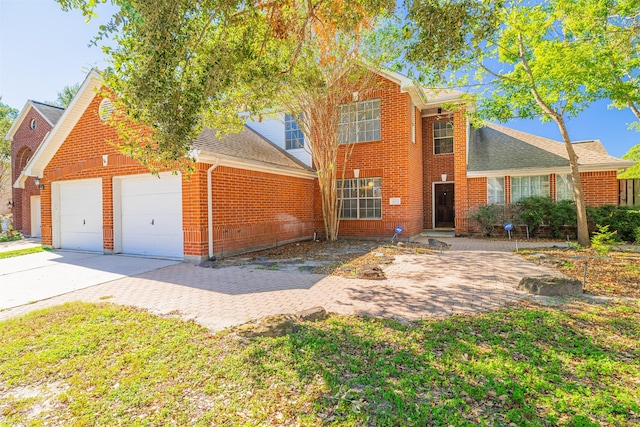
[527, 186]
[361, 198]
[564, 187]
[359, 121]
[293, 136]
[495, 191]
[443, 137]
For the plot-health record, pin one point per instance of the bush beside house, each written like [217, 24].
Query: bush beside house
[544, 217]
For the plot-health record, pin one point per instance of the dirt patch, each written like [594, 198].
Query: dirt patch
[341, 258]
[32, 400]
[617, 274]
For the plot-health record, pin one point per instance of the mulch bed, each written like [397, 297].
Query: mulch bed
[343, 257]
[615, 274]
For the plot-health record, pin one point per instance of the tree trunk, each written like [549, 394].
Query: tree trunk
[581, 207]
[329, 200]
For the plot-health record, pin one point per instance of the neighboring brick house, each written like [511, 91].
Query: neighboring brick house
[414, 164]
[26, 134]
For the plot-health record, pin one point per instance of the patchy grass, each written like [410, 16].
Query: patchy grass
[18, 252]
[617, 274]
[100, 364]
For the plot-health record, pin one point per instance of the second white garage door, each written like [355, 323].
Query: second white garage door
[151, 215]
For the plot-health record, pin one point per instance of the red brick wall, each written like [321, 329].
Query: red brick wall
[25, 142]
[434, 166]
[80, 157]
[454, 165]
[255, 209]
[395, 159]
[600, 188]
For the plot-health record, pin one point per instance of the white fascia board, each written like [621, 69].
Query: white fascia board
[16, 123]
[61, 130]
[232, 162]
[22, 178]
[545, 171]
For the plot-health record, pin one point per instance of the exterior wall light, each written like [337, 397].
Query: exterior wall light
[38, 183]
[444, 177]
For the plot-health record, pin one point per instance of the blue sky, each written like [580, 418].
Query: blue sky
[43, 49]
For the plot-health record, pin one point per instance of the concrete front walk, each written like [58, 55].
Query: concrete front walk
[34, 277]
[473, 276]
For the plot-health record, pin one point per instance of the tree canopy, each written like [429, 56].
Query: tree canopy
[7, 116]
[179, 65]
[546, 60]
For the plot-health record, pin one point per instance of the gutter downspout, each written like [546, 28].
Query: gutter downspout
[210, 204]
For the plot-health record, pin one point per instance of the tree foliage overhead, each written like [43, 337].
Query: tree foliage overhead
[546, 59]
[179, 65]
[634, 171]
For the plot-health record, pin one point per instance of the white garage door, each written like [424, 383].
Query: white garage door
[152, 215]
[81, 215]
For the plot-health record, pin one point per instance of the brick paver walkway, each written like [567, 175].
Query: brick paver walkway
[473, 276]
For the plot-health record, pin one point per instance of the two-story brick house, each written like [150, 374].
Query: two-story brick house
[32, 125]
[414, 164]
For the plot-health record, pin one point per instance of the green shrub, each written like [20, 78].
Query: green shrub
[625, 220]
[10, 235]
[486, 216]
[538, 210]
[490, 216]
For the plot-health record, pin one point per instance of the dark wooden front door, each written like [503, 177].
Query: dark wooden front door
[444, 206]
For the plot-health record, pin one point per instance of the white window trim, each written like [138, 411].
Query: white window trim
[413, 122]
[442, 137]
[570, 189]
[355, 123]
[503, 192]
[286, 131]
[528, 176]
[358, 218]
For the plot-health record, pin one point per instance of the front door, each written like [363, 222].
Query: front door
[444, 209]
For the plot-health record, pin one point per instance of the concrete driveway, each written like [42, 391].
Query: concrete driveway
[29, 278]
[475, 275]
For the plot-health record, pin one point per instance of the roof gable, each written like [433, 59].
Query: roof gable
[63, 127]
[423, 98]
[49, 113]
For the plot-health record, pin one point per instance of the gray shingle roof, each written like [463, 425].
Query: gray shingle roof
[494, 147]
[248, 145]
[50, 112]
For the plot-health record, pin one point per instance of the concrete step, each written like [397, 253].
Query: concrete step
[446, 232]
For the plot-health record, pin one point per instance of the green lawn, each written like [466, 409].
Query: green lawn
[99, 364]
[18, 252]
